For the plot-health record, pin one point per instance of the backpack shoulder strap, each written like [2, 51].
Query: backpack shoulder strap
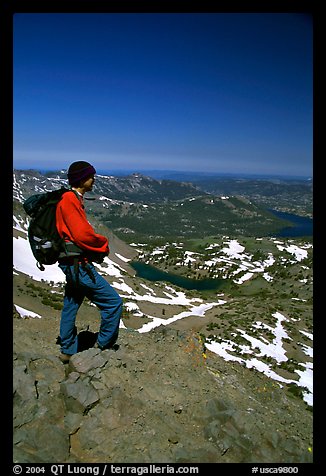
[33, 203]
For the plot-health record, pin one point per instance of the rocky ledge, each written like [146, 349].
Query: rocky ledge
[160, 398]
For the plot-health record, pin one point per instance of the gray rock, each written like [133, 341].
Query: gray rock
[72, 422]
[79, 395]
[90, 359]
[49, 442]
[23, 384]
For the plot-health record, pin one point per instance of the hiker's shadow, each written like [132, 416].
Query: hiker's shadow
[86, 340]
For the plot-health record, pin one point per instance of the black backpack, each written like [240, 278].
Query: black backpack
[43, 236]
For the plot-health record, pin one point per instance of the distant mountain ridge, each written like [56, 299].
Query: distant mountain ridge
[132, 188]
[139, 207]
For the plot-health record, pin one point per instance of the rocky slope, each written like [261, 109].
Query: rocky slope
[161, 397]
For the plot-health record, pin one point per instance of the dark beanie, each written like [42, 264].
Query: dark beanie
[79, 171]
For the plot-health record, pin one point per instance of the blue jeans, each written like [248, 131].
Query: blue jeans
[91, 284]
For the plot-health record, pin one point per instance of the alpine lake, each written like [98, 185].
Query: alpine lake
[302, 227]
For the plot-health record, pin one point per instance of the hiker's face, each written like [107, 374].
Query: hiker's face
[88, 183]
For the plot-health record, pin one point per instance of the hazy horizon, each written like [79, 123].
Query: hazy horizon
[163, 173]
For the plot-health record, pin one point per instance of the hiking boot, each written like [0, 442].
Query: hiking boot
[65, 358]
[114, 347]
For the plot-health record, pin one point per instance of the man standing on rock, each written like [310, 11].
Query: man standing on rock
[83, 247]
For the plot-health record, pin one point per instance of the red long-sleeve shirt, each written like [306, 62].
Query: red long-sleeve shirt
[72, 225]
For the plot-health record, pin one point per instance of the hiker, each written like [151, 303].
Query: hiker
[82, 279]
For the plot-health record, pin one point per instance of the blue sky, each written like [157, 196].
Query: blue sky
[215, 92]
